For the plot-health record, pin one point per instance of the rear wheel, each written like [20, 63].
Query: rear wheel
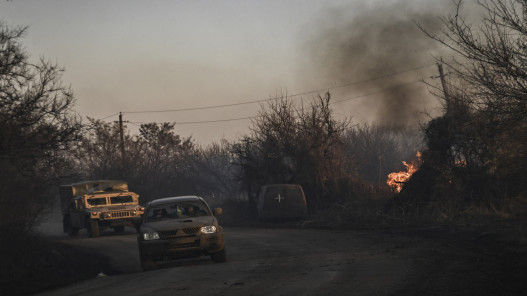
[219, 257]
[73, 231]
[68, 228]
[93, 228]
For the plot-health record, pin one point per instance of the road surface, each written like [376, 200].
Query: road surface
[274, 260]
[260, 261]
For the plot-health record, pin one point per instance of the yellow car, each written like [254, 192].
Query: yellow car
[179, 227]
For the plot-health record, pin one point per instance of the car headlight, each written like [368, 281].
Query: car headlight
[150, 236]
[208, 229]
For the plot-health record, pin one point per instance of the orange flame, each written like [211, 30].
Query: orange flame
[396, 180]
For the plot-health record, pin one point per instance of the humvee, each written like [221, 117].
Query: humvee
[282, 202]
[97, 205]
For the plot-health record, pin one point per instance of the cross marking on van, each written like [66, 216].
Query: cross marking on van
[279, 198]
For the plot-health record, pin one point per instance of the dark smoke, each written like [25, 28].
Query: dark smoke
[363, 42]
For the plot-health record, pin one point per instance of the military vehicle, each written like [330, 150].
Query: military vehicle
[97, 205]
[281, 202]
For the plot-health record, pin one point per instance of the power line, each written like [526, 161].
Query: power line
[252, 117]
[276, 98]
[376, 92]
[198, 122]
[110, 116]
[219, 120]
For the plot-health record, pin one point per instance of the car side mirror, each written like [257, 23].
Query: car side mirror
[217, 211]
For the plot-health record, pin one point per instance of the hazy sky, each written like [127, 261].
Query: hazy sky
[133, 56]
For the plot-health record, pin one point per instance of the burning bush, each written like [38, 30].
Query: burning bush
[396, 180]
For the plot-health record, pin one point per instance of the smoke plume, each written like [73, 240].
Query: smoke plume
[364, 42]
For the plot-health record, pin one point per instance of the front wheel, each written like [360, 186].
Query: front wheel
[93, 228]
[147, 265]
[219, 257]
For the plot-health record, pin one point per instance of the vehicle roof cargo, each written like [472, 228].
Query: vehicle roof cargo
[90, 187]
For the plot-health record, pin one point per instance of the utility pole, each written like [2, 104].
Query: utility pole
[121, 133]
[445, 92]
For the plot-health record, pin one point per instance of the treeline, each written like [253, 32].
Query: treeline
[473, 156]
[333, 160]
[157, 162]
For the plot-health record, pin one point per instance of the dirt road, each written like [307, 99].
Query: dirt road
[261, 261]
[273, 260]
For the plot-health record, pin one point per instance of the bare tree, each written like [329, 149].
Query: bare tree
[494, 53]
[494, 64]
[163, 162]
[477, 151]
[98, 154]
[37, 130]
[216, 173]
[293, 144]
[158, 162]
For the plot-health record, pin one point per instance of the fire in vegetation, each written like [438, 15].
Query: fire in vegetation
[396, 180]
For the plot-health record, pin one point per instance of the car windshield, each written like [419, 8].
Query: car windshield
[180, 210]
[96, 201]
[121, 199]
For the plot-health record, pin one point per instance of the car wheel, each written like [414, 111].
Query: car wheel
[119, 228]
[93, 228]
[147, 264]
[219, 257]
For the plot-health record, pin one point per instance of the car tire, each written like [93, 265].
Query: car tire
[219, 257]
[119, 228]
[93, 228]
[147, 264]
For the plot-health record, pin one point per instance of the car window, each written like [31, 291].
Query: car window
[181, 210]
